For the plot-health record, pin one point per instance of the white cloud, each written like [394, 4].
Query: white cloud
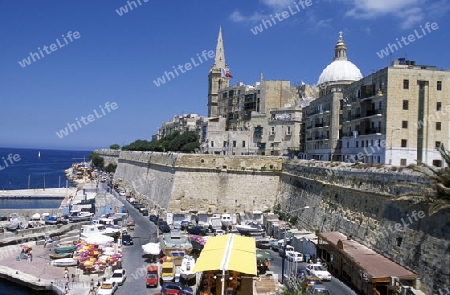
[277, 3]
[409, 12]
[238, 17]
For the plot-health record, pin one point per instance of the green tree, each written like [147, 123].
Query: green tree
[114, 146]
[110, 168]
[97, 160]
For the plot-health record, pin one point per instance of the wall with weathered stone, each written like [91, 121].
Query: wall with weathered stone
[378, 208]
[110, 156]
[208, 183]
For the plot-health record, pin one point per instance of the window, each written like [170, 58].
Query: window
[405, 124]
[272, 130]
[406, 104]
[348, 144]
[357, 143]
[438, 144]
[438, 125]
[439, 85]
[438, 106]
[362, 143]
[402, 162]
[437, 163]
[404, 143]
[234, 143]
[405, 84]
[212, 143]
[224, 144]
[243, 143]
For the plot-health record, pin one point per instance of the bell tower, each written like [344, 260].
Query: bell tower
[216, 81]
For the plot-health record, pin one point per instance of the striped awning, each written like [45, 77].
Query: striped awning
[228, 252]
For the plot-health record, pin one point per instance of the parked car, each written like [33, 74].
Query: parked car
[153, 218]
[152, 276]
[319, 271]
[294, 256]
[263, 244]
[144, 211]
[122, 193]
[318, 289]
[119, 276]
[127, 239]
[286, 249]
[311, 281]
[107, 287]
[164, 227]
[197, 230]
[182, 289]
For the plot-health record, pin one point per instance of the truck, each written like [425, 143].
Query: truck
[152, 276]
[167, 271]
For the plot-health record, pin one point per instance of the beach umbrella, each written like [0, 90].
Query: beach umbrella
[99, 239]
[25, 246]
[151, 248]
[88, 263]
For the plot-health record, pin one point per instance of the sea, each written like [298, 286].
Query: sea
[33, 169]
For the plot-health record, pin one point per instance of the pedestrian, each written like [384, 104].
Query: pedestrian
[31, 254]
[66, 287]
[92, 283]
[66, 273]
[28, 257]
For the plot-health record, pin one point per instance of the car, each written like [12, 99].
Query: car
[294, 256]
[184, 224]
[122, 193]
[107, 287]
[219, 232]
[152, 276]
[319, 271]
[119, 276]
[177, 287]
[144, 211]
[263, 244]
[153, 218]
[311, 281]
[197, 230]
[164, 227]
[127, 239]
[318, 289]
[286, 249]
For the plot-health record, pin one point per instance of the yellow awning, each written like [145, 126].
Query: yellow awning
[228, 252]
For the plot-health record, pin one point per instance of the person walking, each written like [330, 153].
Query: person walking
[66, 273]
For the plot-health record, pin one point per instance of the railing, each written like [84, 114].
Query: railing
[318, 125]
[373, 112]
[373, 130]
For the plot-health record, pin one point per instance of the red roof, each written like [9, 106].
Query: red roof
[374, 264]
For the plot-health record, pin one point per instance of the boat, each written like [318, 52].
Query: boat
[36, 216]
[249, 229]
[64, 249]
[64, 262]
[175, 240]
[50, 220]
[96, 229]
[187, 266]
[226, 220]
[60, 255]
[78, 215]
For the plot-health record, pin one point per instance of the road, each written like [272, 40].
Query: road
[335, 285]
[145, 232]
[133, 262]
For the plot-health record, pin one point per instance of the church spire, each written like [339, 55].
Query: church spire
[340, 50]
[219, 61]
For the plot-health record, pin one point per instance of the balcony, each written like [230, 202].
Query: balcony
[373, 113]
[318, 125]
[377, 130]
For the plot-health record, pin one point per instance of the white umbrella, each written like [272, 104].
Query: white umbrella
[151, 248]
[99, 239]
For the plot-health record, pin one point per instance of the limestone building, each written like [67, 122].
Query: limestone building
[180, 123]
[398, 115]
[322, 119]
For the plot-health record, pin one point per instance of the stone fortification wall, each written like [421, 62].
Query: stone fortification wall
[190, 182]
[110, 156]
[379, 208]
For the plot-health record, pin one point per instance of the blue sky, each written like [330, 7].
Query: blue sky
[116, 58]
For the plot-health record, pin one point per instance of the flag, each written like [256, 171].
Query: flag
[225, 74]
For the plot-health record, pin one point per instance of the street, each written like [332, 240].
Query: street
[145, 232]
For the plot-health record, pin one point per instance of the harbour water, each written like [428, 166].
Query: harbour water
[36, 169]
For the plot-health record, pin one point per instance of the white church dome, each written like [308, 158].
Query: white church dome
[341, 69]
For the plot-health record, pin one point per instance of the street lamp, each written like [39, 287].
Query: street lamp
[285, 242]
[392, 135]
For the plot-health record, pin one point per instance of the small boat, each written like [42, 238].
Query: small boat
[187, 266]
[78, 215]
[226, 221]
[51, 220]
[60, 256]
[248, 229]
[64, 249]
[36, 216]
[64, 262]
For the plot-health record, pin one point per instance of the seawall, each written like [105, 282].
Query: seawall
[366, 203]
